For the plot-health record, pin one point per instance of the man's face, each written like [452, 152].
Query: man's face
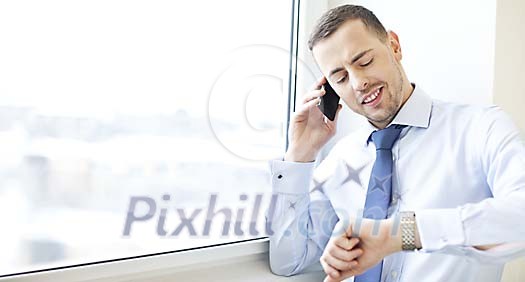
[365, 72]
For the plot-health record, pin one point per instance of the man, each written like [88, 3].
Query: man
[427, 191]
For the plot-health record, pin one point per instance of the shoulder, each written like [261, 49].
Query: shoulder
[478, 112]
[483, 128]
[444, 109]
[466, 116]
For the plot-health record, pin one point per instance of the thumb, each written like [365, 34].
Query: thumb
[349, 231]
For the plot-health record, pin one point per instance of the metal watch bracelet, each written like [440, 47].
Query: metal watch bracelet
[408, 230]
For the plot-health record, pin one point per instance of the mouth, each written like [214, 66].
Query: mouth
[373, 98]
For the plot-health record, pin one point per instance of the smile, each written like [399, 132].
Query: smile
[373, 98]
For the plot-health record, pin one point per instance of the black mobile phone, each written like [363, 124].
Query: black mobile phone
[329, 102]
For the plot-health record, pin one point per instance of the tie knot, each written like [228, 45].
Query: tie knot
[385, 138]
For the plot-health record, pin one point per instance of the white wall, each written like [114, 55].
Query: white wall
[509, 87]
[509, 71]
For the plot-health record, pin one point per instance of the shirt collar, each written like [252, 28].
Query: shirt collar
[415, 112]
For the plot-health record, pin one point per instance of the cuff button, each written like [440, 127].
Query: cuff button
[279, 176]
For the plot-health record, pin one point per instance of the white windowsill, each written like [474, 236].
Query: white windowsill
[245, 261]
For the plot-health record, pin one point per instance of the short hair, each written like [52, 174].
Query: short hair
[335, 17]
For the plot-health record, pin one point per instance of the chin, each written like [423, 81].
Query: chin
[379, 117]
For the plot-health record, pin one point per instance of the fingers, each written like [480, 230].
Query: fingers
[350, 273]
[329, 270]
[341, 265]
[344, 255]
[311, 98]
[346, 243]
[314, 94]
[339, 256]
[317, 85]
[333, 123]
[307, 106]
[342, 276]
[315, 91]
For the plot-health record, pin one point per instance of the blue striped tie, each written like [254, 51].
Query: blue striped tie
[380, 187]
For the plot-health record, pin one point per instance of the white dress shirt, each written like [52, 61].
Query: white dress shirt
[461, 168]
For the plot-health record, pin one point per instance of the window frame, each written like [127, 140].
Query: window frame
[151, 265]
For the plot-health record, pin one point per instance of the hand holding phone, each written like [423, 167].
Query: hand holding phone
[309, 130]
[329, 102]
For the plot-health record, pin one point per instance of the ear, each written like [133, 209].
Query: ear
[393, 43]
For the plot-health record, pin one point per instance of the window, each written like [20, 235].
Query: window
[136, 127]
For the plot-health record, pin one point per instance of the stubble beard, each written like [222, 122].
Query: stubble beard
[395, 100]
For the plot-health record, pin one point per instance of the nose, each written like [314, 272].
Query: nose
[360, 82]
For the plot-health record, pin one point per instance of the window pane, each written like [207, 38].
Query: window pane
[124, 125]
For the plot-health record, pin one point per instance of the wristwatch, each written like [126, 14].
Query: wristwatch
[408, 230]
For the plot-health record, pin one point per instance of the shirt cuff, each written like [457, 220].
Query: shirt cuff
[439, 228]
[291, 177]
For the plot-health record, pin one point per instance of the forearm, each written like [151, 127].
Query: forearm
[419, 246]
[490, 222]
[299, 234]
[397, 238]
[437, 236]
[297, 219]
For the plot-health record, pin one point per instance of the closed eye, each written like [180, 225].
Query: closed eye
[369, 62]
[363, 65]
